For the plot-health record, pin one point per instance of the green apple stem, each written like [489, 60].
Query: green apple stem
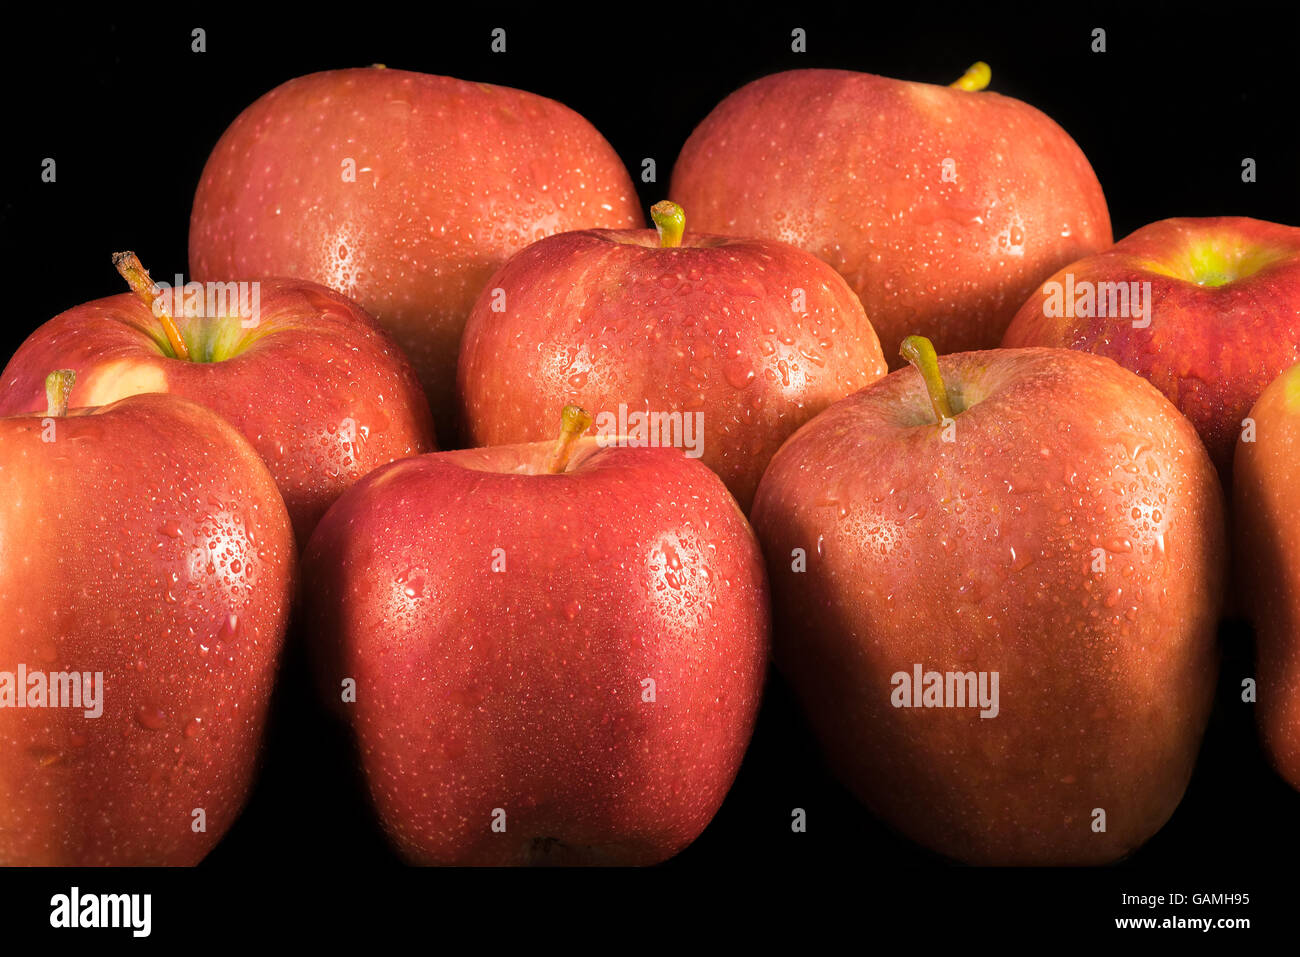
[670, 221]
[58, 388]
[574, 421]
[137, 277]
[975, 78]
[919, 351]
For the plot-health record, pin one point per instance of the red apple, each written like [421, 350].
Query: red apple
[1207, 310]
[310, 380]
[404, 192]
[1060, 532]
[943, 208]
[144, 543]
[558, 649]
[1266, 519]
[722, 346]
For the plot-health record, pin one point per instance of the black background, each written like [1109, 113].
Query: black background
[1166, 116]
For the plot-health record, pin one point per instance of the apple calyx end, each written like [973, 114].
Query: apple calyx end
[670, 223]
[58, 389]
[574, 420]
[130, 268]
[976, 77]
[919, 351]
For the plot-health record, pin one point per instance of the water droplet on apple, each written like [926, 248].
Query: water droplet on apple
[229, 629]
[738, 373]
[151, 718]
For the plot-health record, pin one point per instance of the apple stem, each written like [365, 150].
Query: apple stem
[670, 221]
[137, 277]
[58, 388]
[975, 78]
[919, 351]
[574, 421]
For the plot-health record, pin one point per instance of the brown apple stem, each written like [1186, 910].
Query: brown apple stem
[137, 277]
[58, 388]
[574, 421]
[919, 351]
[670, 221]
[975, 78]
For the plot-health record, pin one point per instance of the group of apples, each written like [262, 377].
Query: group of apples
[553, 650]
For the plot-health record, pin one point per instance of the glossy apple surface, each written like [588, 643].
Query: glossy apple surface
[146, 540]
[1266, 517]
[743, 339]
[1069, 538]
[501, 626]
[1224, 318]
[320, 391]
[943, 208]
[404, 192]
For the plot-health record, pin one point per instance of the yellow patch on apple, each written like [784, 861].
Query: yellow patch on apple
[117, 380]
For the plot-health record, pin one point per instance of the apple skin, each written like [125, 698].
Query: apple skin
[130, 541]
[977, 554]
[452, 178]
[321, 392]
[1211, 349]
[602, 317]
[521, 689]
[850, 167]
[1266, 524]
